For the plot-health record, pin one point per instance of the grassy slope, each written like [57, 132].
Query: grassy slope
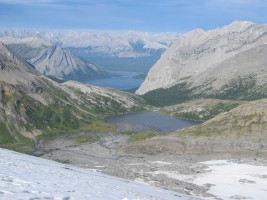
[201, 109]
[243, 120]
[245, 89]
[56, 114]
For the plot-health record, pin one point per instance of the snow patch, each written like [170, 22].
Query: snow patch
[228, 180]
[27, 177]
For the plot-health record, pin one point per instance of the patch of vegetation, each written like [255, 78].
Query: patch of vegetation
[94, 127]
[245, 88]
[21, 146]
[169, 96]
[5, 136]
[232, 124]
[143, 136]
[57, 79]
[15, 142]
[128, 132]
[54, 116]
[207, 112]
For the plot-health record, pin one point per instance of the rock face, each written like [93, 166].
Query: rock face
[14, 69]
[52, 60]
[211, 60]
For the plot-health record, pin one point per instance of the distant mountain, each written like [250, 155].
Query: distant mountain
[112, 50]
[118, 44]
[228, 63]
[52, 60]
[32, 105]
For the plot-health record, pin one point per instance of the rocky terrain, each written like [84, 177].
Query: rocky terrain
[175, 161]
[52, 60]
[226, 63]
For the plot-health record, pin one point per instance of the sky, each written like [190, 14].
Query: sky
[122, 15]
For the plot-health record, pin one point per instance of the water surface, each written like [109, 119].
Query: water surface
[124, 81]
[150, 121]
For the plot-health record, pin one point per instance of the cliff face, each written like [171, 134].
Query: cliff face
[211, 60]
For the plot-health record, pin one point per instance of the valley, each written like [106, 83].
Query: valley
[199, 115]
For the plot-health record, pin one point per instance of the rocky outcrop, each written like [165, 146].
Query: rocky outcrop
[212, 61]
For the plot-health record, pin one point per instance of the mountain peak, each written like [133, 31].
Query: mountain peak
[241, 23]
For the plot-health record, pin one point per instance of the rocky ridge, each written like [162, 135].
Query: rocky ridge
[210, 62]
[52, 60]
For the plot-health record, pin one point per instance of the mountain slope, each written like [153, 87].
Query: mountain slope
[52, 60]
[32, 105]
[27, 48]
[214, 62]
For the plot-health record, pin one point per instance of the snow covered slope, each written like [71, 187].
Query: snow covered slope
[28, 177]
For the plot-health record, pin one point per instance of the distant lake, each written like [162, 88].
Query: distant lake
[124, 81]
[150, 121]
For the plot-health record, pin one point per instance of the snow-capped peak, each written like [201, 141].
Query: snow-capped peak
[33, 42]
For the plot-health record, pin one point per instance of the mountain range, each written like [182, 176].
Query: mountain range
[196, 78]
[227, 63]
[52, 60]
[132, 50]
[118, 44]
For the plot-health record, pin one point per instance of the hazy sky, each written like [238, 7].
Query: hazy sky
[140, 15]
